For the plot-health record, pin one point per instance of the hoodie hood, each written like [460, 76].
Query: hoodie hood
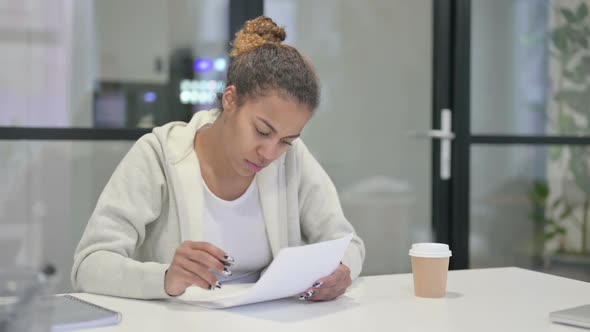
[181, 167]
[177, 138]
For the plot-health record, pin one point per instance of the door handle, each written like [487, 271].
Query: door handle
[440, 134]
[445, 135]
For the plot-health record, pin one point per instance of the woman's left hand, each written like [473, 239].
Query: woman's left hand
[330, 287]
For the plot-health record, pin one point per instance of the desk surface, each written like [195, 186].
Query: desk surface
[499, 299]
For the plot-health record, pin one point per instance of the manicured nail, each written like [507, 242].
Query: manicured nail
[306, 295]
[317, 284]
[218, 284]
[226, 271]
[229, 259]
[211, 287]
[226, 263]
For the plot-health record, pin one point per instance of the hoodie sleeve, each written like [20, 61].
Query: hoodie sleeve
[132, 198]
[321, 214]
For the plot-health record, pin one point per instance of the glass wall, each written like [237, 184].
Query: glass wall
[528, 210]
[509, 73]
[50, 189]
[530, 206]
[110, 63]
[91, 64]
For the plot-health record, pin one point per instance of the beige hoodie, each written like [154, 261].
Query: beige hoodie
[153, 202]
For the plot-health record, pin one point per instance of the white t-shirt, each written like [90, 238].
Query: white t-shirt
[237, 227]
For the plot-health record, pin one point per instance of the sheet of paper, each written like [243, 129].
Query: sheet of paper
[291, 272]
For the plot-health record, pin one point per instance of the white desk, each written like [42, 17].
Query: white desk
[501, 299]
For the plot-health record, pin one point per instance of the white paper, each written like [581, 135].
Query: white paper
[292, 271]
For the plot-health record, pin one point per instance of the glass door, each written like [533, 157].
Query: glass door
[521, 102]
[374, 60]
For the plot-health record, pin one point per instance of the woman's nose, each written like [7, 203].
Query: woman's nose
[268, 151]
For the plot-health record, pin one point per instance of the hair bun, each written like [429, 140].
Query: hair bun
[255, 33]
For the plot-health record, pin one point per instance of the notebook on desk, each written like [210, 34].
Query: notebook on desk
[71, 313]
[577, 316]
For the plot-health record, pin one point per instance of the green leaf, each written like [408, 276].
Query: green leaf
[576, 36]
[551, 222]
[575, 76]
[536, 200]
[567, 124]
[538, 217]
[559, 38]
[549, 235]
[541, 190]
[568, 56]
[566, 213]
[575, 99]
[569, 15]
[557, 202]
[582, 11]
[579, 167]
[580, 72]
[580, 38]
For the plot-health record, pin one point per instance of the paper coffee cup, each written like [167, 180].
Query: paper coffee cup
[430, 266]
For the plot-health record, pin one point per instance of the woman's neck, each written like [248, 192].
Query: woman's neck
[216, 169]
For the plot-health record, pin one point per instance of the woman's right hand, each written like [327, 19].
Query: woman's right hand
[192, 265]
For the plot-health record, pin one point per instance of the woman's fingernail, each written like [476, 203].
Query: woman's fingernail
[229, 259]
[226, 271]
[218, 284]
[317, 284]
[306, 295]
[226, 263]
[211, 287]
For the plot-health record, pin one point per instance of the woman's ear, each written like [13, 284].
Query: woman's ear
[229, 99]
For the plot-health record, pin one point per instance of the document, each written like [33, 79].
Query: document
[292, 271]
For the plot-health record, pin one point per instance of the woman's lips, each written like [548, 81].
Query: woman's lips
[253, 167]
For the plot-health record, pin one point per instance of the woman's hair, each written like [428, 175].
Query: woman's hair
[259, 63]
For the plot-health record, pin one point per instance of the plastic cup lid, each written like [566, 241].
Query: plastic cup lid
[430, 250]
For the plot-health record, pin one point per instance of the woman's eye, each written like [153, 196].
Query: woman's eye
[285, 142]
[261, 133]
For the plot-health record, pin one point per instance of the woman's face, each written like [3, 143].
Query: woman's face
[261, 130]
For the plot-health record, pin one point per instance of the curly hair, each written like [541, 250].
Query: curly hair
[260, 62]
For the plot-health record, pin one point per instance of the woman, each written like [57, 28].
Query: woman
[190, 199]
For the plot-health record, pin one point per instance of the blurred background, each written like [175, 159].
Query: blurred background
[83, 79]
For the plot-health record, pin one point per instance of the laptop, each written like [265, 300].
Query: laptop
[577, 316]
